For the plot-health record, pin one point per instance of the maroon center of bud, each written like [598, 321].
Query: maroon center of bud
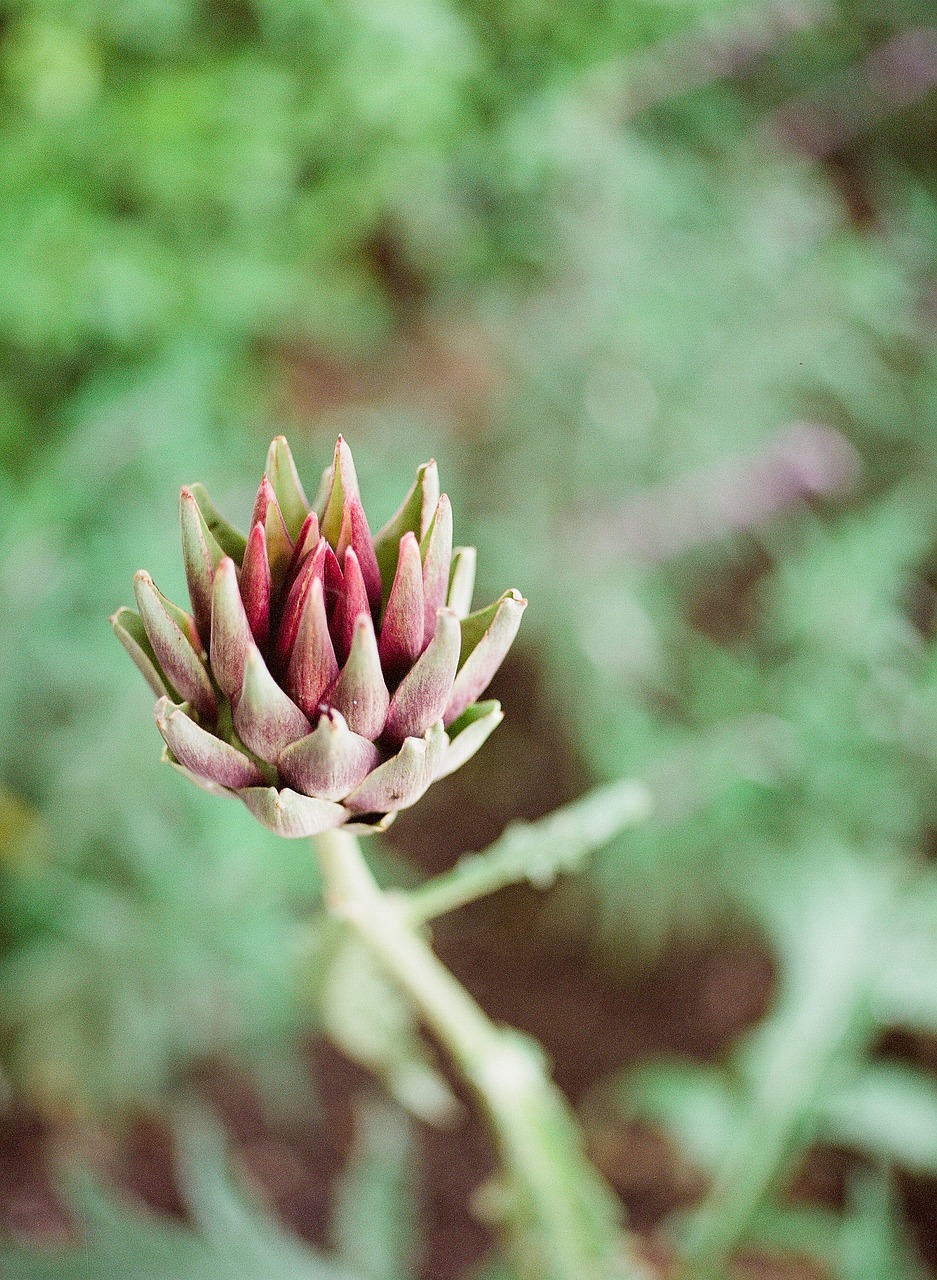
[306, 600]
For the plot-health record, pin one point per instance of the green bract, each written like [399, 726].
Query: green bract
[324, 676]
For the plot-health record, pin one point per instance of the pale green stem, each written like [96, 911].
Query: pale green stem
[823, 1021]
[571, 1210]
[352, 894]
[537, 851]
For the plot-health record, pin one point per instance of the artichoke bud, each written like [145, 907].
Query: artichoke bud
[324, 676]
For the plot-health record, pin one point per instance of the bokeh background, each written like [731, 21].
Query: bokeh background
[654, 281]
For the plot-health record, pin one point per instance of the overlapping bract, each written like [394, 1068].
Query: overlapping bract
[324, 676]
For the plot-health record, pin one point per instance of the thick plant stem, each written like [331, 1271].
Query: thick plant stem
[352, 894]
[568, 1214]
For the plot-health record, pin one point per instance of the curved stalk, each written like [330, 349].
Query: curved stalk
[570, 1214]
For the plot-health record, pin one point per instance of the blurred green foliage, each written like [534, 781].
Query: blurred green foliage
[227, 1235]
[256, 172]
[692, 248]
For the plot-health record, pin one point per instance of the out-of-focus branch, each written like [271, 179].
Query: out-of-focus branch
[805, 461]
[894, 76]
[690, 60]
[536, 851]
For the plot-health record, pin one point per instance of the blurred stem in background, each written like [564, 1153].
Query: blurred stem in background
[822, 1027]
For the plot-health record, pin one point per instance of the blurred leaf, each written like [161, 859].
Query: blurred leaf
[888, 1111]
[374, 1223]
[874, 1244]
[907, 989]
[796, 1229]
[231, 1237]
[864, 1243]
[821, 1026]
[692, 1102]
[366, 1015]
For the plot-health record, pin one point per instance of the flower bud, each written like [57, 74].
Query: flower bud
[324, 676]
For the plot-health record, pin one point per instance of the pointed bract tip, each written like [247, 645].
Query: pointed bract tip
[436, 550]
[230, 630]
[486, 638]
[201, 752]
[267, 511]
[188, 499]
[330, 761]
[265, 489]
[467, 734]
[283, 476]
[343, 485]
[401, 640]
[360, 692]
[312, 665]
[423, 693]
[265, 718]
[176, 644]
